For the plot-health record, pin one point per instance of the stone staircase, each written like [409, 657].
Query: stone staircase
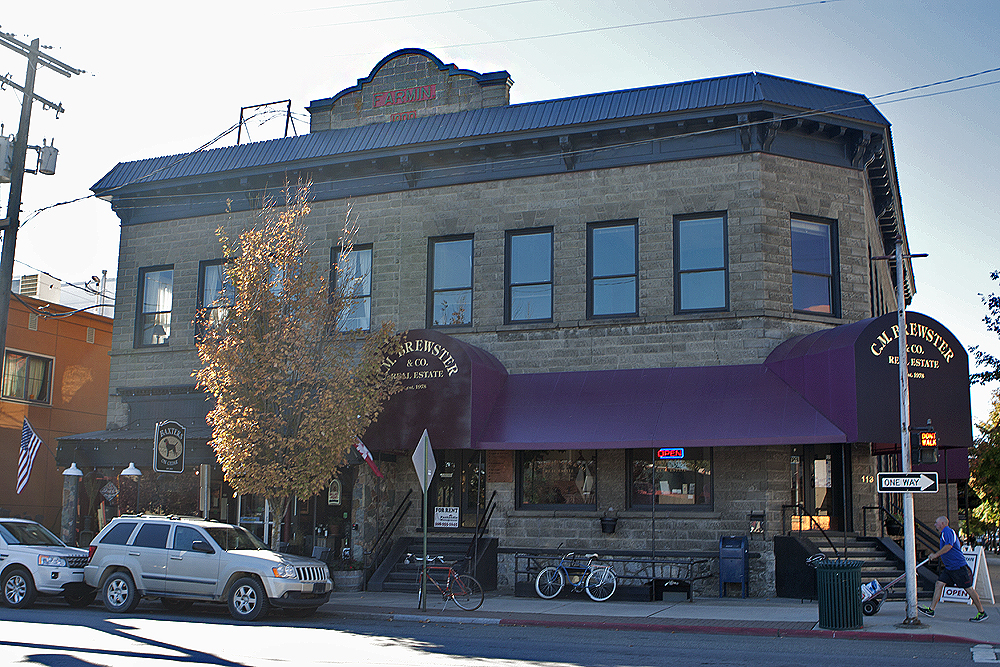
[878, 561]
[402, 577]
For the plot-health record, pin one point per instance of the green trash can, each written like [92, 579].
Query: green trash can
[838, 587]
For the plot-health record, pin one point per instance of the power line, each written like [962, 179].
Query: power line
[414, 16]
[640, 24]
[529, 159]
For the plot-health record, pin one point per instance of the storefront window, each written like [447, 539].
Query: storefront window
[671, 476]
[558, 477]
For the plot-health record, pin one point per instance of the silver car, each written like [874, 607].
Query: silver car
[181, 560]
[33, 561]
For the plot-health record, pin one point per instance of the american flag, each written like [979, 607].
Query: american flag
[29, 447]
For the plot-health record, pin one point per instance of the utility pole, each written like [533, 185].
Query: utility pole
[909, 532]
[11, 222]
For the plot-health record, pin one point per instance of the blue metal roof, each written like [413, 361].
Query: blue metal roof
[720, 92]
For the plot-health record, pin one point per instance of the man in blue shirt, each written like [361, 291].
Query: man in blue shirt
[956, 571]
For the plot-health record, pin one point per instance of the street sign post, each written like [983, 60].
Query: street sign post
[425, 465]
[907, 482]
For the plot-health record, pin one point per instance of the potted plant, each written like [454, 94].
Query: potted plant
[348, 574]
[609, 522]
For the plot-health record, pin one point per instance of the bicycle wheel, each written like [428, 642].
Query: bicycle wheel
[466, 592]
[420, 591]
[601, 584]
[549, 582]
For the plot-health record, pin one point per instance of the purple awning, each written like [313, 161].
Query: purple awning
[658, 407]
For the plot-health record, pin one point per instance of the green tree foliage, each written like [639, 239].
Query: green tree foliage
[985, 455]
[292, 391]
[985, 470]
[992, 321]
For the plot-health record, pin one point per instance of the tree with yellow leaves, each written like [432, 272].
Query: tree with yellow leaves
[292, 390]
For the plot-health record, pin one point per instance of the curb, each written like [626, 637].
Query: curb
[754, 631]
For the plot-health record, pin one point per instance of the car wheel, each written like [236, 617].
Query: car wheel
[79, 597]
[18, 588]
[119, 593]
[247, 600]
[174, 604]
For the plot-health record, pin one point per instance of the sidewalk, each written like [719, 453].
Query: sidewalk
[774, 617]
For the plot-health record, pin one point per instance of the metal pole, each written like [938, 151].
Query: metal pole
[423, 579]
[909, 541]
[14, 199]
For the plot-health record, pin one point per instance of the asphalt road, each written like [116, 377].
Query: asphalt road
[55, 635]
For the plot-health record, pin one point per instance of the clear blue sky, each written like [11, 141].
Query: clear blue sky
[166, 78]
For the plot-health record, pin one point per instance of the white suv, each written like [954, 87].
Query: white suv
[33, 561]
[181, 560]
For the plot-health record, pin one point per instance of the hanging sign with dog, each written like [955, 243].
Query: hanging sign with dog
[168, 447]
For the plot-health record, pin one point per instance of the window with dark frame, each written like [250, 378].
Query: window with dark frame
[557, 478]
[701, 263]
[529, 275]
[449, 281]
[670, 478]
[215, 292]
[27, 377]
[156, 289]
[814, 262]
[354, 270]
[612, 273]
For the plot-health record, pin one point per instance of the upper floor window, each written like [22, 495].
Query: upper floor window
[700, 263]
[27, 377]
[529, 276]
[156, 291]
[215, 292]
[814, 262]
[353, 270]
[450, 282]
[612, 276]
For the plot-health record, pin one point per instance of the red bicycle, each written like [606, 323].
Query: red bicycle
[463, 589]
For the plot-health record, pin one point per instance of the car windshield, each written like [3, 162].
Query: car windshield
[29, 534]
[233, 538]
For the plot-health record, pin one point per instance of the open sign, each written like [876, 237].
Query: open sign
[677, 453]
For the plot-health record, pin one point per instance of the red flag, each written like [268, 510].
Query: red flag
[367, 456]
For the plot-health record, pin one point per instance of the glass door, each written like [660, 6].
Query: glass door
[820, 484]
[457, 495]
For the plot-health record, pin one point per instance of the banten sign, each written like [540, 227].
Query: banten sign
[903, 482]
[168, 447]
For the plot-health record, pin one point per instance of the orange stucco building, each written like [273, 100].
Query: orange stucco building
[56, 373]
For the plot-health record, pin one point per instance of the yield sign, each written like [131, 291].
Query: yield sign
[423, 461]
[907, 482]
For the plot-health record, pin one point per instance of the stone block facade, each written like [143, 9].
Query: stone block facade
[561, 177]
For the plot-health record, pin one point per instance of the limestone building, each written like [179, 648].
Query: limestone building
[657, 305]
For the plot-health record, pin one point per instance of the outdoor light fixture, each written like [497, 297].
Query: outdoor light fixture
[73, 471]
[131, 471]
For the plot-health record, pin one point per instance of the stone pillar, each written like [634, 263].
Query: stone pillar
[70, 495]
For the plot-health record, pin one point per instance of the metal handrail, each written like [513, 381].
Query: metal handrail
[383, 543]
[922, 532]
[812, 520]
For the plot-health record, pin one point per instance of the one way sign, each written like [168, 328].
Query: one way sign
[903, 482]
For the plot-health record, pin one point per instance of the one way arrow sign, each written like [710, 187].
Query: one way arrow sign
[907, 482]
